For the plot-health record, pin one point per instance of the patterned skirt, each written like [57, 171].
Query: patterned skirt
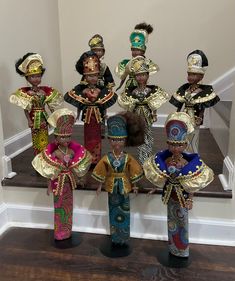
[145, 150]
[39, 139]
[92, 139]
[63, 213]
[177, 229]
[119, 217]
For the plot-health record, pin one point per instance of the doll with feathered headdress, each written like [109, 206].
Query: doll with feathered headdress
[138, 40]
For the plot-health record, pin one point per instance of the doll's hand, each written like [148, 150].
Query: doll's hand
[135, 190]
[82, 182]
[152, 191]
[98, 190]
[189, 204]
[30, 124]
[198, 120]
[49, 188]
[154, 117]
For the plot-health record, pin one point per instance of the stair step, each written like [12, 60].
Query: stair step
[223, 108]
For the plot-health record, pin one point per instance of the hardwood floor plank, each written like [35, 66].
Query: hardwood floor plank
[29, 255]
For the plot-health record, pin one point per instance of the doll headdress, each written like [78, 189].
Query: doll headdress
[197, 62]
[32, 64]
[96, 42]
[139, 37]
[117, 127]
[88, 63]
[178, 125]
[139, 64]
[62, 120]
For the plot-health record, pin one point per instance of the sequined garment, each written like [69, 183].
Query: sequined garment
[34, 103]
[145, 103]
[123, 71]
[92, 115]
[194, 104]
[105, 77]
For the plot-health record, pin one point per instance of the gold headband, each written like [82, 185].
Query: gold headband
[33, 64]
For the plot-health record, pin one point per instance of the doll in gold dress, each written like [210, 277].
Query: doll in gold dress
[144, 100]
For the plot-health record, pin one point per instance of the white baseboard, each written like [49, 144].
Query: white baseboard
[212, 232]
[18, 143]
[3, 218]
[224, 85]
[227, 178]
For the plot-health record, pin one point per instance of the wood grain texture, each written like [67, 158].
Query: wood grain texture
[29, 255]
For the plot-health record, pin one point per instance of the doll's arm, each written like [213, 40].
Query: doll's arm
[135, 189]
[189, 202]
[154, 115]
[98, 190]
[78, 113]
[49, 187]
[30, 122]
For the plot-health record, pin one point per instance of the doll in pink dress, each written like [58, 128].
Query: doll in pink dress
[63, 162]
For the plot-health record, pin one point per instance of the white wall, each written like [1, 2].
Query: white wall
[179, 27]
[26, 26]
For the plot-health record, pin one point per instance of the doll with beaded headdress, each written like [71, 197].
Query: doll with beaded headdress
[179, 174]
[93, 100]
[96, 45]
[143, 100]
[138, 40]
[193, 97]
[119, 172]
[35, 98]
[62, 162]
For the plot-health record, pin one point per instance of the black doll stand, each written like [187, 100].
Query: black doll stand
[169, 260]
[113, 250]
[71, 242]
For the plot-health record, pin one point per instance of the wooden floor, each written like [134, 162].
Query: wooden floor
[208, 150]
[29, 255]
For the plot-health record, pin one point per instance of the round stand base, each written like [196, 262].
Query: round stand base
[169, 260]
[73, 241]
[113, 250]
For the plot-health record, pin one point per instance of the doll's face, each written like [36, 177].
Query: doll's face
[194, 78]
[63, 140]
[99, 52]
[35, 79]
[142, 78]
[92, 79]
[117, 144]
[137, 52]
[176, 149]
